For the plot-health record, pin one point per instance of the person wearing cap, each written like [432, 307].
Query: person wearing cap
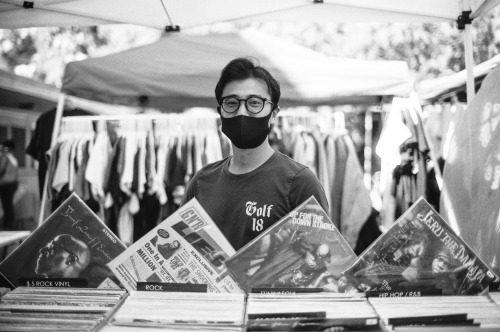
[63, 257]
[247, 192]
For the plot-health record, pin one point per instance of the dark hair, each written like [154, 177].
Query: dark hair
[244, 68]
[9, 144]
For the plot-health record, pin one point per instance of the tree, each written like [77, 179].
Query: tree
[42, 53]
[430, 49]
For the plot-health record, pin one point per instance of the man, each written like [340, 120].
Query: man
[168, 249]
[63, 257]
[443, 262]
[314, 264]
[248, 192]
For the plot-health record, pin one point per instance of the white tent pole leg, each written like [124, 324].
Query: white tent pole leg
[469, 62]
[367, 165]
[55, 134]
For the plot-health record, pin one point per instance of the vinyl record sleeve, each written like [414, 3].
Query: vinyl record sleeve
[71, 243]
[420, 251]
[187, 247]
[304, 249]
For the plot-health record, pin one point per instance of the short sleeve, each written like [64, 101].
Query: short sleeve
[190, 190]
[304, 185]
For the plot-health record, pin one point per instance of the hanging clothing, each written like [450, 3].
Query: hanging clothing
[356, 201]
[132, 183]
[8, 187]
[41, 139]
[97, 165]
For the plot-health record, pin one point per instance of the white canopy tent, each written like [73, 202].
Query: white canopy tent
[28, 90]
[172, 14]
[443, 87]
[189, 13]
[180, 71]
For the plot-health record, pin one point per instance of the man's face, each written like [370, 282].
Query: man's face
[52, 259]
[342, 281]
[297, 276]
[440, 264]
[322, 254]
[243, 89]
[415, 249]
[310, 260]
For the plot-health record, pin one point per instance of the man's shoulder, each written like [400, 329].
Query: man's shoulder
[287, 162]
[212, 168]
[294, 169]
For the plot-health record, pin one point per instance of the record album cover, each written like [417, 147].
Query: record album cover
[185, 248]
[420, 251]
[72, 243]
[302, 250]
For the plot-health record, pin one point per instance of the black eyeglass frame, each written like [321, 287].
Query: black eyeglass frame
[264, 100]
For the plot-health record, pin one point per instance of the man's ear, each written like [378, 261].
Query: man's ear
[274, 116]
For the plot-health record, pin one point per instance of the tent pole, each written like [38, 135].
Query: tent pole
[367, 152]
[469, 62]
[55, 134]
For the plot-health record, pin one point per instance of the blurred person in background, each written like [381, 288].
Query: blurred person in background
[8, 183]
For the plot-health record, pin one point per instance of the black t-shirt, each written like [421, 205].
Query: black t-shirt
[245, 205]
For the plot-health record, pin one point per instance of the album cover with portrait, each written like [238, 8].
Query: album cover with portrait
[72, 245]
[420, 252]
[304, 249]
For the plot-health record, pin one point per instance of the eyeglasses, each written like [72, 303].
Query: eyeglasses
[253, 104]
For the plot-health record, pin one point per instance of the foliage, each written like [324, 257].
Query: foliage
[430, 49]
[41, 53]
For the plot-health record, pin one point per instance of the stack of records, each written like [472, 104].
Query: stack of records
[57, 309]
[438, 313]
[179, 311]
[309, 312]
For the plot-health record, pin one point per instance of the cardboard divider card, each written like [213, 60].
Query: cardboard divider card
[171, 287]
[295, 315]
[53, 282]
[285, 290]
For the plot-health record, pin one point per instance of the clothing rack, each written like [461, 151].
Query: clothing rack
[92, 124]
[146, 116]
[325, 121]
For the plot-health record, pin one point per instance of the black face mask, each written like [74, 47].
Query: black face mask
[246, 132]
